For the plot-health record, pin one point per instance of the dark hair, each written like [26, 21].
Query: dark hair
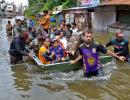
[18, 20]
[45, 11]
[73, 23]
[68, 26]
[9, 21]
[46, 38]
[87, 31]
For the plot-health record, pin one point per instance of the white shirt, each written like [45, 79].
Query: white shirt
[75, 30]
[64, 42]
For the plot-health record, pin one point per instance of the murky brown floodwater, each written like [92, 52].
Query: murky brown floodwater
[32, 83]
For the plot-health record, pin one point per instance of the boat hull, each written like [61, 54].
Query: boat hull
[66, 66]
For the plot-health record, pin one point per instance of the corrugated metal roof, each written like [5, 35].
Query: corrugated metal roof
[116, 2]
[80, 8]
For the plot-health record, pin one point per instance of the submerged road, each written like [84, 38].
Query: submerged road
[27, 82]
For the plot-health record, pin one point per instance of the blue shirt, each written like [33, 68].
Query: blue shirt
[59, 52]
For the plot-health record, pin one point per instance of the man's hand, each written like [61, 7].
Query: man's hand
[30, 55]
[72, 62]
[53, 53]
[122, 58]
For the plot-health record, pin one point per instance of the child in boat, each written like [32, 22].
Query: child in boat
[58, 51]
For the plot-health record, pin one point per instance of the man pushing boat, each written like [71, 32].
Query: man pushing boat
[89, 52]
[120, 45]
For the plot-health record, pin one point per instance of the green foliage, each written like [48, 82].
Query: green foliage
[69, 3]
[36, 6]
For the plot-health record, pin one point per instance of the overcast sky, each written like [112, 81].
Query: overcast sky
[18, 2]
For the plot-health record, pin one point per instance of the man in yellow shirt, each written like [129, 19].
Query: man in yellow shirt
[45, 21]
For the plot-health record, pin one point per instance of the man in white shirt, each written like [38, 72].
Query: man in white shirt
[74, 27]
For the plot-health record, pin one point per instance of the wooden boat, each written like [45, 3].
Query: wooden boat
[66, 66]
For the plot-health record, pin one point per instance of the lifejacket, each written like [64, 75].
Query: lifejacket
[42, 50]
[90, 59]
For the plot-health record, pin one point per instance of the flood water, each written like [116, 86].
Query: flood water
[27, 82]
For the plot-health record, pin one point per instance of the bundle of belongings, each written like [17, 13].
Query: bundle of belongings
[74, 43]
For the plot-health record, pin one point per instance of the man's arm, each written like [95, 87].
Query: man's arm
[122, 58]
[76, 60]
[104, 50]
[109, 44]
[47, 57]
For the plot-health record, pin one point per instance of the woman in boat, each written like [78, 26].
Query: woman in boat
[89, 52]
[62, 39]
[44, 56]
[120, 45]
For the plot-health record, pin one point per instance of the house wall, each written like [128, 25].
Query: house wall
[102, 17]
[9, 7]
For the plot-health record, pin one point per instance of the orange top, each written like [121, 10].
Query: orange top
[42, 50]
[45, 22]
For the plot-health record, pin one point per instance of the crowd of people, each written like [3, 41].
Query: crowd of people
[50, 42]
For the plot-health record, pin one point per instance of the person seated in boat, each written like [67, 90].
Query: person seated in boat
[44, 56]
[74, 27]
[17, 48]
[120, 45]
[53, 32]
[58, 51]
[61, 38]
[89, 52]
[68, 31]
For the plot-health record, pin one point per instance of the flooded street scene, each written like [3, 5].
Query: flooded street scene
[57, 79]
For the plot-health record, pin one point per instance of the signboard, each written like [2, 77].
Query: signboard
[90, 3]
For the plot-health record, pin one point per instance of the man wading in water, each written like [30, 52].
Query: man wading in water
[9, 28]
[121, 45]
[89, 51]
[17, 48]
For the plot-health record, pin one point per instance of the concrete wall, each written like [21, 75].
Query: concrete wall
[102, 17]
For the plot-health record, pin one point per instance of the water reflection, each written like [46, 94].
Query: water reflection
[25, 82]
[22, 80]
[51, 87]
[85, 90]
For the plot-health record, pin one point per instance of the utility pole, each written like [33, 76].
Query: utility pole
[77, 3]
[2, 10]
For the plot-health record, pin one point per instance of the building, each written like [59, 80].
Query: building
[113, 15]
[10, 10]
[82, 15]
[1, 8]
